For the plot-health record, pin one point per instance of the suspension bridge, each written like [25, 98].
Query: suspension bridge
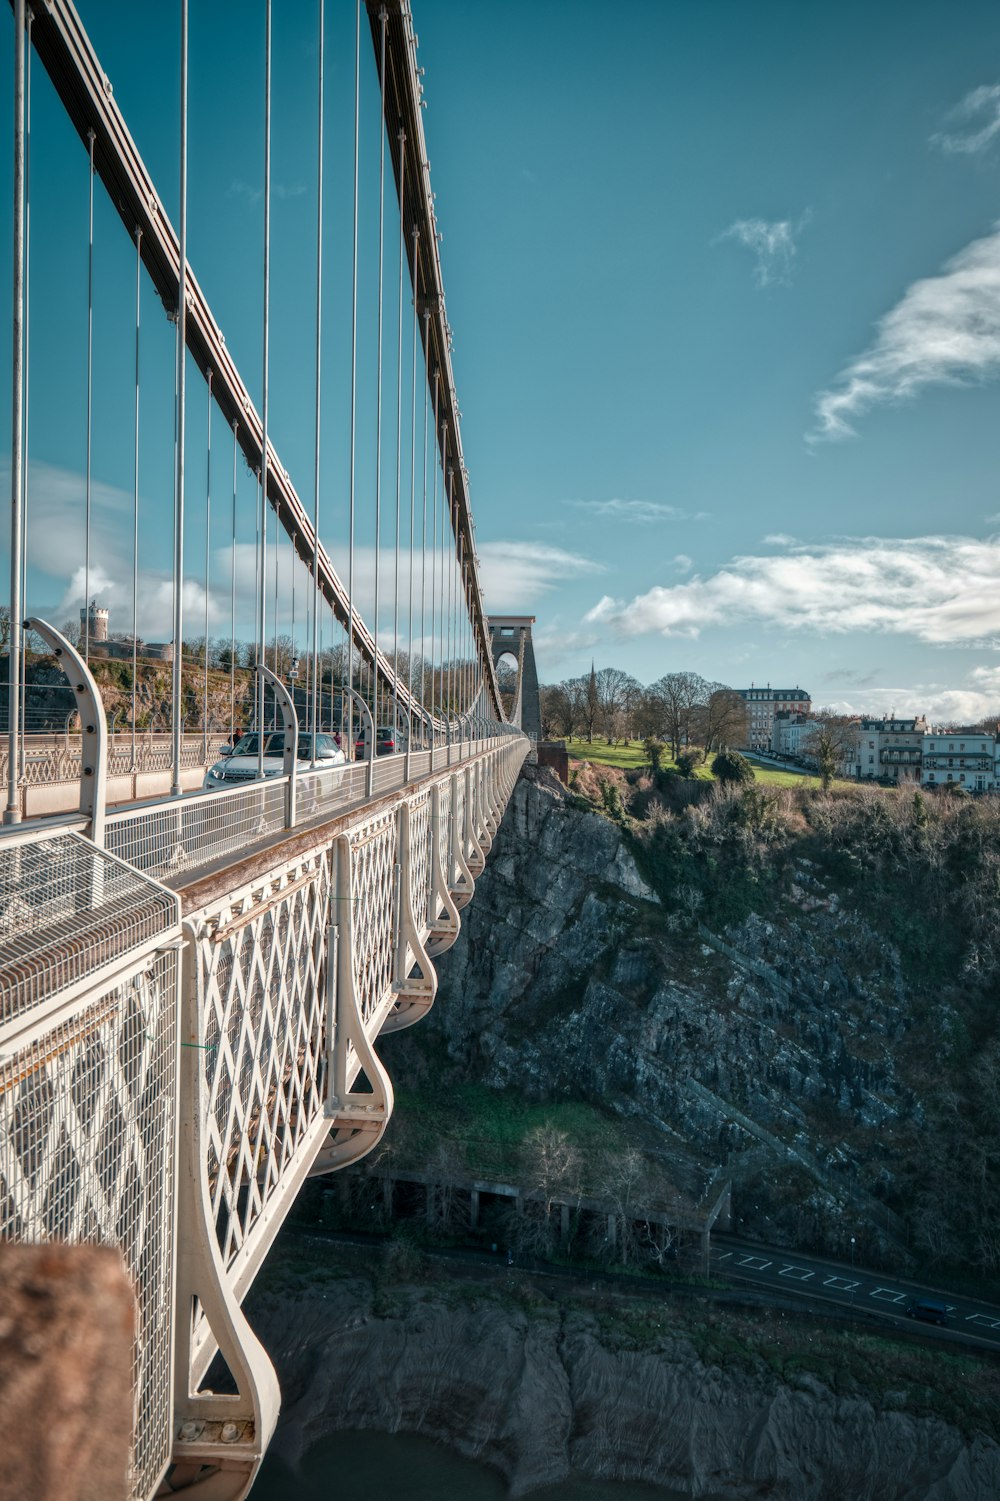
[196, 964]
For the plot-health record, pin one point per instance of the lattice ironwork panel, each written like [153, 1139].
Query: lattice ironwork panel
[67, 910]
[190, 831]
[420, 872]
[263, 1040]
[374, 889]
[86, 1154]
[459, 821]
[444, 836]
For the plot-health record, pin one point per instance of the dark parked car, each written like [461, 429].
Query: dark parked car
[929, 1310]
[387, 742]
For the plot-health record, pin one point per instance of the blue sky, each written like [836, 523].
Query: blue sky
[725, 286]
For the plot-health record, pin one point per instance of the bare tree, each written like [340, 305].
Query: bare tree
[680, 693]
[831, 744]
[615, 689]
[721, 721]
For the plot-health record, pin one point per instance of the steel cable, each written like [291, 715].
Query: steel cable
[354, 388]
[319, 334]
[378, 408]
[176, 708]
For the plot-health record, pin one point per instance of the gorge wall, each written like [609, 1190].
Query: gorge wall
[786, 1069]
[537, 1390]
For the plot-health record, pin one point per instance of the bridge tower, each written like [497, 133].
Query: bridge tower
[510, 636]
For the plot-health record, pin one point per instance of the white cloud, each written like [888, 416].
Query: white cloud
[640, 512]
[944, 331]
[779, 539]
[941, 590]
[940, 704]
[254, 195]
[772, 243]
[516, 574]
[683, 563]
[978, 119]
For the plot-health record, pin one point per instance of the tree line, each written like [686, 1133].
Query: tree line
[680, 708]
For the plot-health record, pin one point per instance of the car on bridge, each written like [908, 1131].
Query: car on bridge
[241, 765]
[387, 742]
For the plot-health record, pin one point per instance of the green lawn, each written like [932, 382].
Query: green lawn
[632, 757]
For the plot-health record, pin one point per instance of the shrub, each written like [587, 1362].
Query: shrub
[730, 766]
[654, 749]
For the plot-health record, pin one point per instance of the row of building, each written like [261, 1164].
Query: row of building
[780, 721]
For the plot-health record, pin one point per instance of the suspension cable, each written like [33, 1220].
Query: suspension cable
[319, 369]
[208, 564]
[399, 414]
[423, 531]
[135, 499]
[262, 643]
[90, 401]
[232, 604]
[27, 388]
[378, 410]
[435, 683]
[176, 708]
[413, 472]
[12, 813]
[447, 551]
[349, 684]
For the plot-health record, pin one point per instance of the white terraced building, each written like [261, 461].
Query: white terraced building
[891, 749]
[967, 757]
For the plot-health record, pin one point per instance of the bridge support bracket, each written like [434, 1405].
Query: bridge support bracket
[357, 1118]
[414, 992]
[445, 921]
[219, 1438]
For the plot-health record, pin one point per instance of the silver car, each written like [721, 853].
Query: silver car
[241, 766]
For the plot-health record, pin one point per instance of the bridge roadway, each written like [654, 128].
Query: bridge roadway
[882, 1295]
[176, 1059]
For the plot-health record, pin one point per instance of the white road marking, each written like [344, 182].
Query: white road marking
[841, 1284]
[983, 1318]
[722, 1255]
[886, 1295]
[756, 1263]
[797, 1273]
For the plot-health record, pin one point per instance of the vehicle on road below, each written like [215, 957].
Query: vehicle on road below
[929, 1310]
[242, 764]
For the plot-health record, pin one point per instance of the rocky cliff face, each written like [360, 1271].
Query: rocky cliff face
[536, 1392]
[776, 1059]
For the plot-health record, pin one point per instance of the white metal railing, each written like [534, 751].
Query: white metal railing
[197, 829]
[88, 1046]
[288, 979]
[200, 828]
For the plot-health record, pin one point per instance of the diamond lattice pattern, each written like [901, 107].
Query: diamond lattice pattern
[263, 1042]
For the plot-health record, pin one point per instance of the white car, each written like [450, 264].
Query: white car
[241, 765]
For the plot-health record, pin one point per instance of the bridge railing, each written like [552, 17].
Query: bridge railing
[229, 1030]
[180, 834]
[88, 1083]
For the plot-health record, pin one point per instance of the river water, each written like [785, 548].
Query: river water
[409, 1468]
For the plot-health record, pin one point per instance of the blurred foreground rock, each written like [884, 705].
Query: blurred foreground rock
[67, 1320]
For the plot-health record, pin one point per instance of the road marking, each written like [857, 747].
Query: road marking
[841, 1284]
[722, 1255]
[798, 1273]
[982, 1318]
[755, 1263]
[886, 1295]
